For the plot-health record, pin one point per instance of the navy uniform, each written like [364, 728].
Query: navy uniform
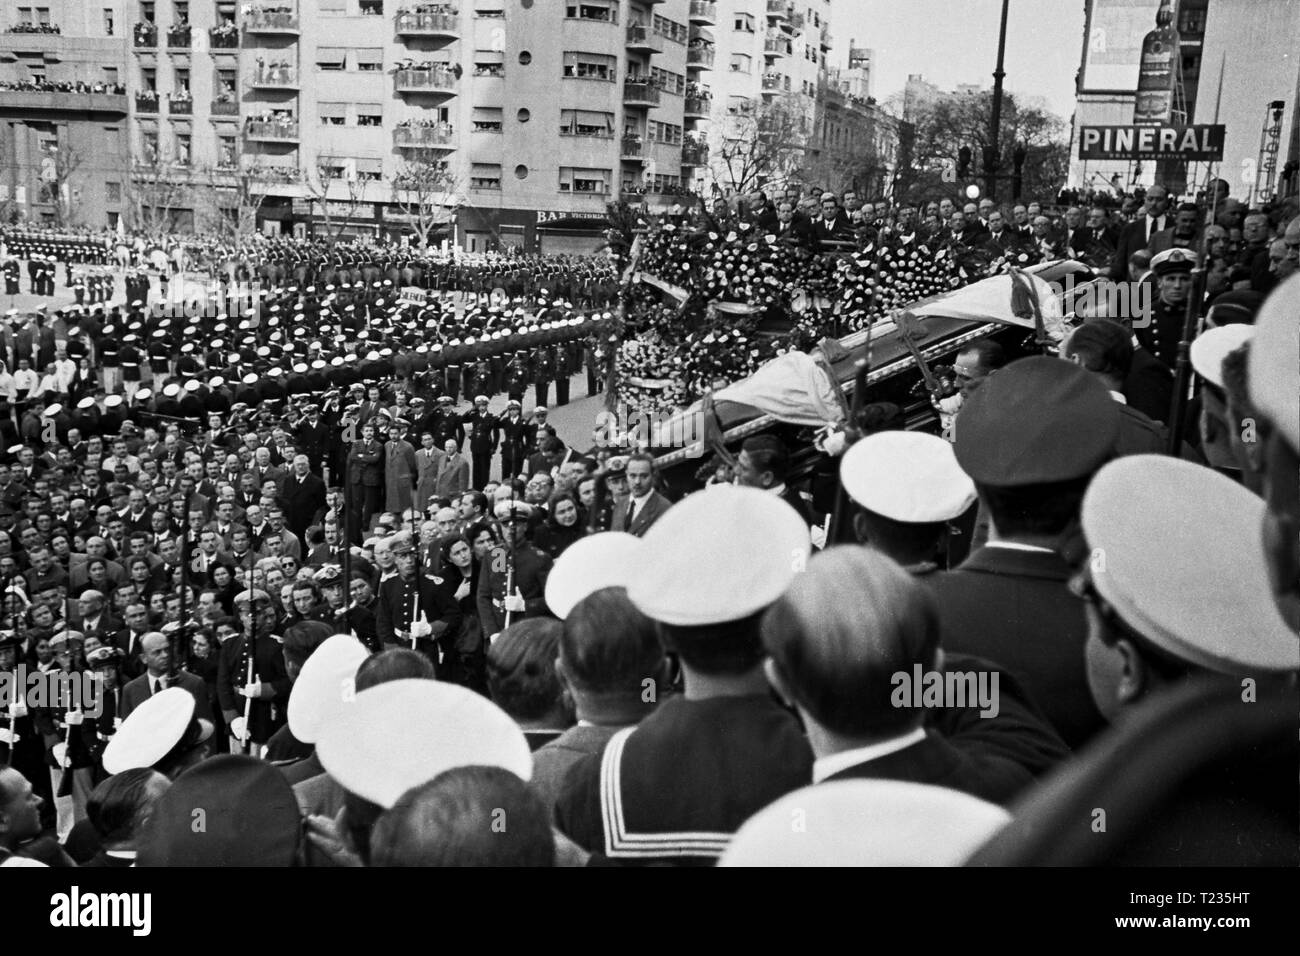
[516, 435]
[349, 617]
[1038, 424]
[267, 713]
[1196, 668]
[404, 604]
[1161, 335]
[674, 788]
[526, 566]
[483, 440]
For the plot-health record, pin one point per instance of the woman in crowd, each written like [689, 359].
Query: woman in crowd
[463, 657]
[563, 526]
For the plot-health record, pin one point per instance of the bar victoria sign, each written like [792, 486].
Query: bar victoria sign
[1192, 143]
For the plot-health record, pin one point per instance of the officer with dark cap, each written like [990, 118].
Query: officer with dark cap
[518, 562]
[1196, 669]
[313, 437]
[345, 614]
[483, 439]
[1161, 332]
[269, 689]
[412, 611]
[1030, 437]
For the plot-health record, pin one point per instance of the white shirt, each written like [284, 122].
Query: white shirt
[832, 764]
[26, 379]
[636, 505]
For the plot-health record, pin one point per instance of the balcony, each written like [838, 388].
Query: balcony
[704, 12]
[695, 154]
[272, 22]
[796, 23]
[180, 107]
[275, 78]
[146, 36]
[778, 8]
[700, 57]
[437, 26]
[272, 131]
[640, 39]
[632, 148]
[441, 136]
[425, 82]
[224, 108]
[698, 107]
[640, 93]
[145, 103]
[63, 101]
[224, 38]
[178, 38]
[772, 83]
[776, 45]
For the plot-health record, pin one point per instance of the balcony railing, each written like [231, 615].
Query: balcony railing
[146, 104]
[631, 148]
[146, 36]
[778, 8]
[776, 46]
[224, 108]
[179, 107]
[413, 24]
[275, 78]
[425, 137]
[704, 12]
[700, 56]
[272, 21]
[640, 38]
[223, 38]
[698, 106]
[772, 84]
[695, 154]
[425, 81]
[178, 38]
[51, 99]
[640, 93]
[272, 130]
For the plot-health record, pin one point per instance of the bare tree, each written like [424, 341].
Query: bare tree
[760, 144]
[58, 165]
[328, 190]
[427, 194]
[158, 190]
[234, 196]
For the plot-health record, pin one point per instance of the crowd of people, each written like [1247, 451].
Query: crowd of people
[223, 501]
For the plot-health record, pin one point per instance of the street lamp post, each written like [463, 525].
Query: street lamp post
[995, 121]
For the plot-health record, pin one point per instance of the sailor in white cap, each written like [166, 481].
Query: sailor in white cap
[674, 788]
[604, 560]
[866, 823]
[908, 487]
[1221, 436]
[512, 581]
[162, 733]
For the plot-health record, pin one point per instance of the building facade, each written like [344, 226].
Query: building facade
[64, 113]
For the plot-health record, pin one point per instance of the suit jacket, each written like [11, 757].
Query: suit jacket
[132, 665]
[650, 512]
[797, 232]
[1012, 607]
[453, 476]
[531, 569]
[1165, 239]
[140, 689]
[365, 465]
[1132, 237]
[303, 501]
[841, 230]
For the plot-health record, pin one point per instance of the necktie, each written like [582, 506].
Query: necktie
[631, 512]
[157, 685]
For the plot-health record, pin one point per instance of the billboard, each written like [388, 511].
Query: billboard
[1112, 52]
[1191, 143]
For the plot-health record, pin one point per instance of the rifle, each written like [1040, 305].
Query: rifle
[510, 562]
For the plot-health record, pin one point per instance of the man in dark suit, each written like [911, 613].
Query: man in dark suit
[1030, 438]
[304, 497]
[1096, 234]
[834, 225]
[128, 640]
[762, 463]
[516, 435]
[643, 505]
[314, 438]
[483, 440]
[793, 229]
[1137, 234]
[365, 482]
[761, 213]
[158, 677]
[1105, 348]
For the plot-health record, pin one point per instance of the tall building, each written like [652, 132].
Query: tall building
[856, 144]
[63, 113]
[917, 94]
[1252, 43]
[770, 60]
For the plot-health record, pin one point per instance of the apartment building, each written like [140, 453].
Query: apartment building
[64, 155]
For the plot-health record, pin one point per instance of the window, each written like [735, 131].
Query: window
[25, 15]
[336, 8]
[150, 77]
[333, 168]
[182, 82]
[183, 143]
[490, 9]
[331, 58]
[589, 66]
[226, 152]
[489, 63]
[485, 176]
[586, 123]
[369, 170]
[149, 147]
[181, 12]
[740, 62]
[745, 22]
[370, 59]
[665, 133]
[668, 81]
[226, 80]
[372, 8]
[487, 119]
[43, 16]
[108, 21]
[576, 180]
[333, 114]
[110, 76]
[370, 114]
[671, 29]
[604, 10]
[113, 191]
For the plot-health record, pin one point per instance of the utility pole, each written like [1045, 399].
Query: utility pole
[995, 121]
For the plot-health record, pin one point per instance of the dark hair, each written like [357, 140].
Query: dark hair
[476, 529]
[727, 649]
[521, 668]
[842, 630]
[450, 821]
[768, 453]
[991, 354]
[302, 639]
[552, 446]
[399, 663]
[607, 644]
[1034, 509]
[114, 806]
[904, 541]
[479, 499]
[1104, 347]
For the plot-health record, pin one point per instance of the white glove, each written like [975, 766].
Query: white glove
[74, 718]
[515, 602]
[421, 630]
[17, 708]
[253, 690]
[818, 535]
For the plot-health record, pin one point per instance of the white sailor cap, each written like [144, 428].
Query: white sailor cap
[1212, 346]
[866, 823]
[1274, 374]
[152, 730]
[719, 557]
[907, 476]
[519, 509]
[403, 733]
[171, 390]
[605, 560]
[113, 401]
[324, 686]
